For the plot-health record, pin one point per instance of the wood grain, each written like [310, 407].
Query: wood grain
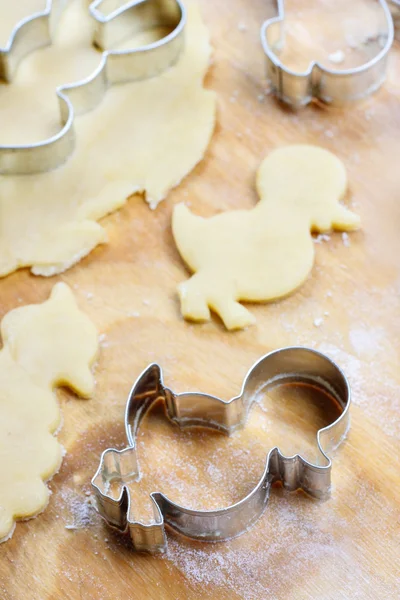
[345, 548]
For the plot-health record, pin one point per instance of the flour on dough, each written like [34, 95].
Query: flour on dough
[267, 252]
[144, 137]
[44, 346]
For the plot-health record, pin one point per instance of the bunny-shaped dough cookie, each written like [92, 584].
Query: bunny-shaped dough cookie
[45, 345]
[267, 252]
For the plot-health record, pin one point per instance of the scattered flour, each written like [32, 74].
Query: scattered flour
[337, 57]
[367, 341]
[261, 565]
[346, 239]
[318, 321]
[80, 510]
[322, 237]
[372, 389]
[237, 565]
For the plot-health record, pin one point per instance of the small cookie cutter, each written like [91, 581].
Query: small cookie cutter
[332, 86]
[116, 66]
[288, 365]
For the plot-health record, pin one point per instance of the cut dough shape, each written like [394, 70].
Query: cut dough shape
[45, 346]
[144, 137]
[267, 252]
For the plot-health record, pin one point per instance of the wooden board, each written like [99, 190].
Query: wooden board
[347, 547]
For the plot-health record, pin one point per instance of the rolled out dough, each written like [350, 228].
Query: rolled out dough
[267, 252]
[144, 137]
[45, 345]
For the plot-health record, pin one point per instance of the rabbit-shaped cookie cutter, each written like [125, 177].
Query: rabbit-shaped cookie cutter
[287, 365]
[332, 86]
[116, 66]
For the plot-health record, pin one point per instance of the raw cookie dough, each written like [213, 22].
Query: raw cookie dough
[45, 346]
[267, 252]
[144, 137]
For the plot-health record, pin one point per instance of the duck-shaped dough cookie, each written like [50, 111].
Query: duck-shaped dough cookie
[266, 252]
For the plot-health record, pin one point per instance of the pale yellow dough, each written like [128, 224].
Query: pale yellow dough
[45, 345]
[143, 137]
[267, 252]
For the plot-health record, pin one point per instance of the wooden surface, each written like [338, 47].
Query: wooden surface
[345, 548]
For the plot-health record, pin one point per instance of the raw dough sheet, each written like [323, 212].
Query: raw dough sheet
[144, 137]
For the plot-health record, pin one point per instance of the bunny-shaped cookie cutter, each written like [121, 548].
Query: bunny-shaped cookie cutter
[287, 365]
[116, 66]
[332, 86]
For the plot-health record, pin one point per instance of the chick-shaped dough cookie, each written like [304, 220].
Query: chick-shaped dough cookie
[45, 346]
[266, 252]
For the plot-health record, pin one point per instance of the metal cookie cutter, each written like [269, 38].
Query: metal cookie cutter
[332, 86]
[288, 365]
[116, 66]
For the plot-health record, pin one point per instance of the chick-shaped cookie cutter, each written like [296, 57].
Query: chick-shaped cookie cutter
[116, 66]
[288, 365]
[332, 86]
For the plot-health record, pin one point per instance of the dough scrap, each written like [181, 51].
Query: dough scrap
[267, 252]
[143, 137]
[45, 346]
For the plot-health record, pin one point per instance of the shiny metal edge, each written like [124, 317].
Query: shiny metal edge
[294, 471]
[116, 66]
[299, 88]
